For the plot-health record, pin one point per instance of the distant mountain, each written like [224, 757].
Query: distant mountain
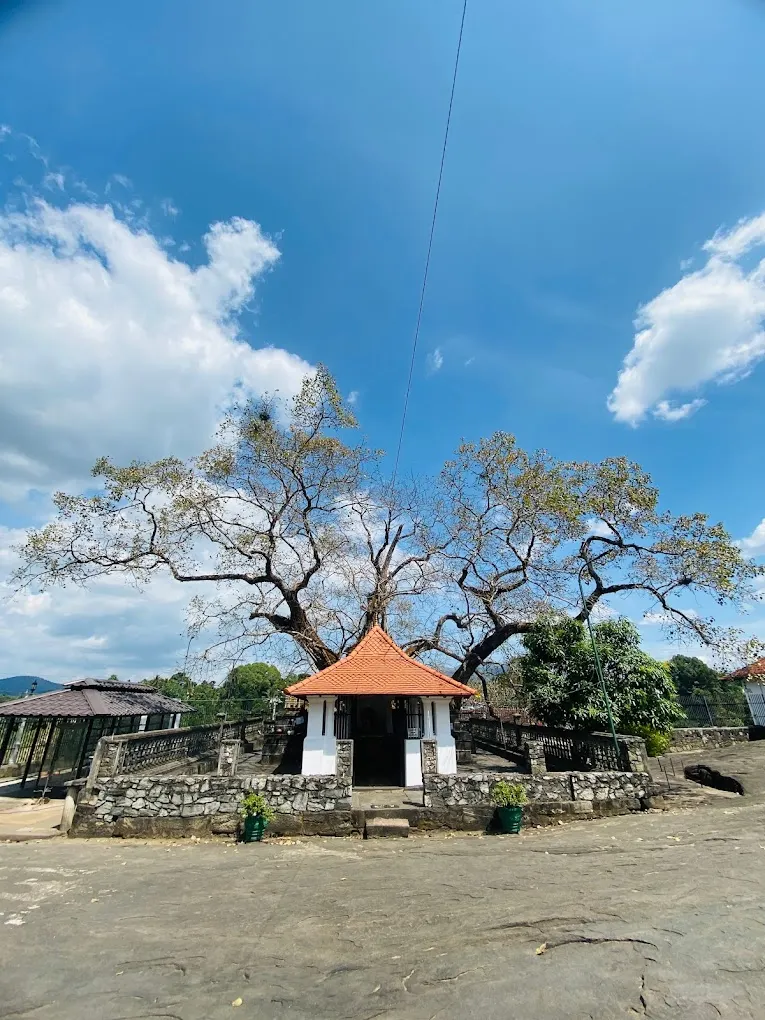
[18, 686]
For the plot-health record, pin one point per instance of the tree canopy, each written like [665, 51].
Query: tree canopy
[289, 532]
[563, 688]
[692, 675]
[254, 682]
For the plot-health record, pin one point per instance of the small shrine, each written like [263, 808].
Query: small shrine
[386, 702]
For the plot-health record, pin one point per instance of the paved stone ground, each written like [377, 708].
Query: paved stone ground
[744, 761]
[24, 817]
[659, 915]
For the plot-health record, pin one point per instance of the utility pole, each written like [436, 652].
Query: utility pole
[598, 667]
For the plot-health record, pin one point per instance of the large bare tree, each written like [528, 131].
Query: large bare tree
[287, 530]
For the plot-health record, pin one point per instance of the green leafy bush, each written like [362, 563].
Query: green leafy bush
[506, 794]
[656, 741]
[254, 805]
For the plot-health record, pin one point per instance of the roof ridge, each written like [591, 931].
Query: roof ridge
[338, 671]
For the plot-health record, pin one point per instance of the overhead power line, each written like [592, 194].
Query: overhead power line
[430, 249]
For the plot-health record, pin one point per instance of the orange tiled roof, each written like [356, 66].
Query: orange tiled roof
[378, 666]
[753, 669]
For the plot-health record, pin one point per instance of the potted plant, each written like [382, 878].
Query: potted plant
[509, 798]
[256, 814]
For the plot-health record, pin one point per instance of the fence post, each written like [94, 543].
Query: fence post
[709, 714]
[228, 757]
[535, 757]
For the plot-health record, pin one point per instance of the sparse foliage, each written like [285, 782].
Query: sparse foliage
[289, 534]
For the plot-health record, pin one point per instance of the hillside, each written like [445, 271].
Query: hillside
[17, 686]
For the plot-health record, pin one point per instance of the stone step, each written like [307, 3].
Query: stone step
[381, 828]
[400, 811]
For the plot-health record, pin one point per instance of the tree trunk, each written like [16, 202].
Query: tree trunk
[486, 647]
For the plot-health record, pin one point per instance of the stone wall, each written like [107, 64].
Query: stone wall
[474, 789]
[344, 761]
[694, 739]
[429, 756]
[185, 805]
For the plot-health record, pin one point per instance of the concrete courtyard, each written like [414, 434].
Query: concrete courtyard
[658, 915]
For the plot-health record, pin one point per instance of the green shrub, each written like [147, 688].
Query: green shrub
[255, 804]
[656, 741]
[506, 794]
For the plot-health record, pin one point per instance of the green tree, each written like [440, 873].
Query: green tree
[692, 675]
[720, 701]
[563, 688]
[203, 697]
[249, 687]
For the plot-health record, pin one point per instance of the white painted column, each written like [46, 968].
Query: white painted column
[427, 711]
[412, 763]
[319, 747]
[14, 755]
[413, 748]
[447, 751]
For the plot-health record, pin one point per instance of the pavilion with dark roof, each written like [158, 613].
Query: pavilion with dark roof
[387, 703]
[55, 734]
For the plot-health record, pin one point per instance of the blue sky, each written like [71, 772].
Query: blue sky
[595, 150]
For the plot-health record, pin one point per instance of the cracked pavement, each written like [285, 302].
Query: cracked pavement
[658, 915]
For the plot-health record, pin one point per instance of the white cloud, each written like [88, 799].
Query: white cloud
[353, 397]
[54, 181]
[435, 360]
[168, 207]
[706, 328]
[595, 526]
[601, 612]
[754, 545]
[676, 412]
[110, 627]
[110, 345]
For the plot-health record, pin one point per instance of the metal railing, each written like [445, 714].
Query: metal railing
[142, 752]
[565, 750]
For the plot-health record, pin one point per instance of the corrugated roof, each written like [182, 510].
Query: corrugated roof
[754, 669]
[88, 698]
[378, 666]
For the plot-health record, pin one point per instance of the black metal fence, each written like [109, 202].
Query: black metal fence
[565, 750]
[704, 711]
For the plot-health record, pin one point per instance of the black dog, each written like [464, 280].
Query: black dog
[711, 777]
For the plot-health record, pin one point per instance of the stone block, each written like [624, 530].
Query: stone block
[381, 828]
[224, 825]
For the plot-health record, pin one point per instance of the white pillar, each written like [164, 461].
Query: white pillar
[14, 755]
[412, 763]
[427, 713]
[447, 751]
[319, 744]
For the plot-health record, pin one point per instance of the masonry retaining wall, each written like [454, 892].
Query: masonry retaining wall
[700, 738]
[630, 789]
[199, 805]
